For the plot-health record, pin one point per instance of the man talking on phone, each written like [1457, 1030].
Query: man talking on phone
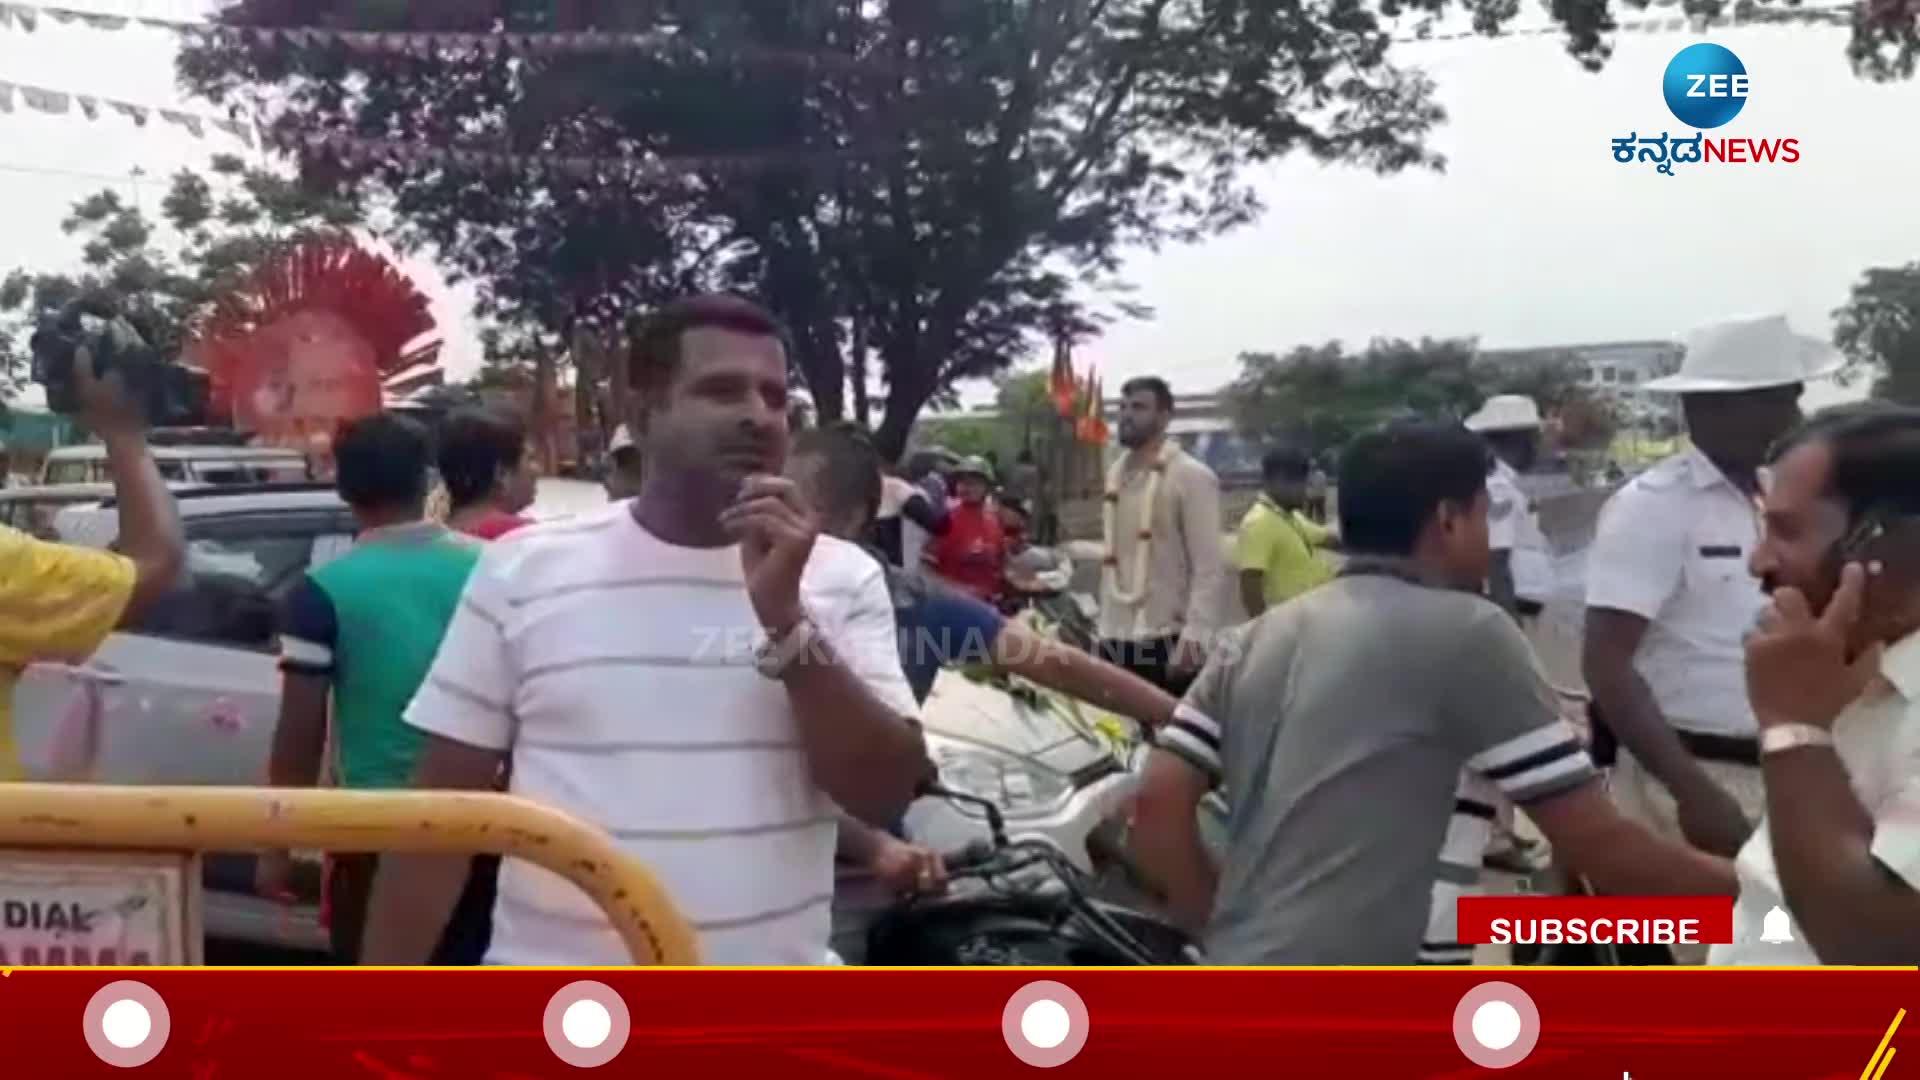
[1833, 670]
[57, 602]
[698, 672]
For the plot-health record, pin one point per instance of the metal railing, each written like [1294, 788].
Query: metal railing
[196, 819]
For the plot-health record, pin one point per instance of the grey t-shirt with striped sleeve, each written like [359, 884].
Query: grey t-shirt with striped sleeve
[617, 669]
[1341, 725]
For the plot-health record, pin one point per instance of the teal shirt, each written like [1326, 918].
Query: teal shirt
[371, 622]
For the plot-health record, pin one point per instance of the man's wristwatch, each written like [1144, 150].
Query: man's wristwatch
[1784, 737]
[776, 655]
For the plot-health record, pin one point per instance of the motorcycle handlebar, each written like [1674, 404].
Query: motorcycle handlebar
[974, 855]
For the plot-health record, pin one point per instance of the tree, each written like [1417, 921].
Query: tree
[924, 189]
[1322, 396]
[220, 231]
[1878, 329]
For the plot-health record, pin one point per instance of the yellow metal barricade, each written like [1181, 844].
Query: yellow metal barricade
[91, 817]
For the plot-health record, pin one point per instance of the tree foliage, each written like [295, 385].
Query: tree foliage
[217, 231]
[1321, 396]
[1879, 330]
[924, 189]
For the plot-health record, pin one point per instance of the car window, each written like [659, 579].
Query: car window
[70, 472]
[251, 472]
[35, 516]
[233, 584]
[227, 475]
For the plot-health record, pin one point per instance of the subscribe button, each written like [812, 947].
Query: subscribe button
[1595, 920]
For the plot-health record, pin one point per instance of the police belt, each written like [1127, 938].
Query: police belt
[1725, 749]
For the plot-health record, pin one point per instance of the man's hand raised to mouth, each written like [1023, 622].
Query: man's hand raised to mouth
[776, 533]
[862, 748]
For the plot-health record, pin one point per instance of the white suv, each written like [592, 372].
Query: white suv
[189, 463]
[191, 694]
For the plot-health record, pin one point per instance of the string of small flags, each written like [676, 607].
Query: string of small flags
[564, 42]
[422, 43]
[355, 150]
[63, 103]
[1741, 14]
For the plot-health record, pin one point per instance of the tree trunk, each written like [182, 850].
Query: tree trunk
[911, 386]
[823, 370]
[588, 357]
[857, 373]
[542, 419]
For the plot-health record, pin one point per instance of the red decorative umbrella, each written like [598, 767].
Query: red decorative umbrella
[307, 340]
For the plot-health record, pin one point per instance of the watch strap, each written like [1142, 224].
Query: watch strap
[1781, 738]
[778, 654]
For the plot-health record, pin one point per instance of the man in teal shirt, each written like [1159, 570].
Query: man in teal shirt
[359, 633]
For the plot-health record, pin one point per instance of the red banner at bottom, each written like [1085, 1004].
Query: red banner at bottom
[212, 1024]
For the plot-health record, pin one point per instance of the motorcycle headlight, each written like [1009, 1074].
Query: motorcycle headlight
[1017, 786]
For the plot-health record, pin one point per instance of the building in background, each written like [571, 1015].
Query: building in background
[1616, 372]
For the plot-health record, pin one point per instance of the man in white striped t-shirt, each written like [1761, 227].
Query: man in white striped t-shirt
[1341, 726]
[695, 671]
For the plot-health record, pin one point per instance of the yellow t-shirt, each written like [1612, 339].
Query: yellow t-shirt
[56, 603]
[1285, 546]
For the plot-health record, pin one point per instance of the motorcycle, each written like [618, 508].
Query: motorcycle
[1040, 580]
[1019, 903]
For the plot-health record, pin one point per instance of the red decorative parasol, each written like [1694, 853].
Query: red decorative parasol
[308, 340]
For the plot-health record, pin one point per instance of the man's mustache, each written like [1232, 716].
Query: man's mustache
[756, 447]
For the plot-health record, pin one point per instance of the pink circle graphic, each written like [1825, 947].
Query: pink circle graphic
[554, 1024]
[1054, 998]
[1507, 1001]
[93, 1024]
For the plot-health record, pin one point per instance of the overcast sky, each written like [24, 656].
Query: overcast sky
[1533, 235]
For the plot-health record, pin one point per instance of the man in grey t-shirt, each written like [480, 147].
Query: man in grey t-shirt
[1341, 724]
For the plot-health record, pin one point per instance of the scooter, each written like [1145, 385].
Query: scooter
[1019, 903]
[1040, 580]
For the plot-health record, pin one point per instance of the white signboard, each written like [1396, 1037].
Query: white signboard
[105, 909]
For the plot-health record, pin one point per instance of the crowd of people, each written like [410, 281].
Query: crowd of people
[723, 669]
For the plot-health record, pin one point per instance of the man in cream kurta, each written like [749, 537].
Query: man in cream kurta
[1160, 587]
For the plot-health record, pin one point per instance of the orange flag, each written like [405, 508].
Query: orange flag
[1061, 386]
[1099, 411]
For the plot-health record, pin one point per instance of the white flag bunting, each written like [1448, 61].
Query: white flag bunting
[60, 102]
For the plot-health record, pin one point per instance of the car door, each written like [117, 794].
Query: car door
[190, 695]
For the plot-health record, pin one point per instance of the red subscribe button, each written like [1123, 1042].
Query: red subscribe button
[1595, 920]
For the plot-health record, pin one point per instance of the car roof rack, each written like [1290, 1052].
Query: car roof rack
[215, 491]
[201, 436]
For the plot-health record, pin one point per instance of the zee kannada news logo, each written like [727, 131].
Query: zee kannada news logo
[1706, 86]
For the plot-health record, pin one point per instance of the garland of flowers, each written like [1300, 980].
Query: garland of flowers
[1111, 513]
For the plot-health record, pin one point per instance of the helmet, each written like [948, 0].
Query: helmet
[973, 466]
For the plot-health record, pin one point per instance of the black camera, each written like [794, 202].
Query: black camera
[167, 394]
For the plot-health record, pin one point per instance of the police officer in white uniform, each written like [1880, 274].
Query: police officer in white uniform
[1669, 597]
[1522, 576]
[1522, 559]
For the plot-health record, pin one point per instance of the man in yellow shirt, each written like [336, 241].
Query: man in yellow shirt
[58, 602]
[1279, 549]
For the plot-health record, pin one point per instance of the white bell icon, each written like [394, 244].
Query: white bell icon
[1777, 927]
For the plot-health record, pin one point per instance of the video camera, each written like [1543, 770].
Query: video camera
[167, 394]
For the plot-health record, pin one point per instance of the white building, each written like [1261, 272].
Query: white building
[1616, 371]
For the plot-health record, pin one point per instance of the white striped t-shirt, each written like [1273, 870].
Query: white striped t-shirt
[618, 670]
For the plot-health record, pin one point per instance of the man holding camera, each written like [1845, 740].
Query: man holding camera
[58, 602]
